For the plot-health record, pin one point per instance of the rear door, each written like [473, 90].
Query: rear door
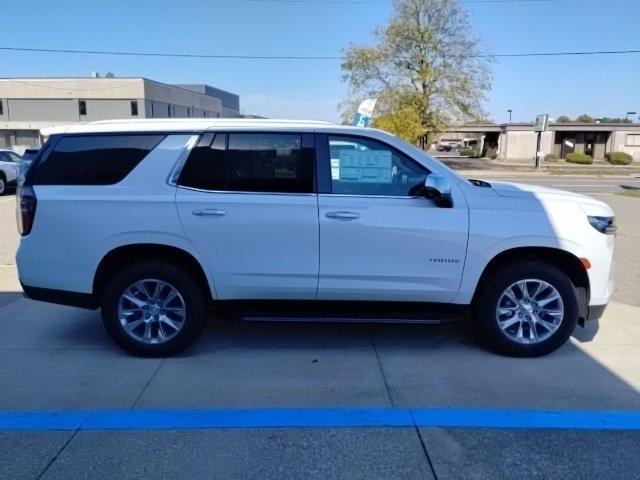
[248, 204]
[378, 241]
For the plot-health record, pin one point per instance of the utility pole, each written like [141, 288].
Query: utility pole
[542, 123]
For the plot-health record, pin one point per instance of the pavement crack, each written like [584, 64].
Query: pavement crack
[55, 457]
[424, 448]
[148, 383]
[384, 377]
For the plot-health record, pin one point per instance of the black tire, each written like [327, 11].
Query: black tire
[3, 184]
[486, 302]
[192, 293]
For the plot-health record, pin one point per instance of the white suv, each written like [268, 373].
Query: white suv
[156, 221]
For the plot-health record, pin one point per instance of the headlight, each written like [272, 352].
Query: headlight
[603, 224]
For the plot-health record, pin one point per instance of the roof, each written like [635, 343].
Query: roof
[180, 125]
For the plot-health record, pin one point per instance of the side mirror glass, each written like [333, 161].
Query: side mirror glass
[438, 188]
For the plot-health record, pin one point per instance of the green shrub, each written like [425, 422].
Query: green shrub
[551, 157]
[468, 152]
[619, 158]
[581, 158]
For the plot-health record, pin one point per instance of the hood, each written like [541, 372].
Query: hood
[522, 190]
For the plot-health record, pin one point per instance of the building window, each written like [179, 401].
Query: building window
[633, 140]
[1, 108]
[188, 111]
[168, 110]
[82, 107]
[134, 108]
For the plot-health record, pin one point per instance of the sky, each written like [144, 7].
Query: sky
[596, 85]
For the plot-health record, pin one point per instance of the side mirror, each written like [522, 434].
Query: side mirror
[438, 188]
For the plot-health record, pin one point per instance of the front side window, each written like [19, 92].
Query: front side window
[93, 159]
[251, 162]
[362, 166]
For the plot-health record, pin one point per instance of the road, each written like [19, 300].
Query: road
[584, 185]
[320, 401]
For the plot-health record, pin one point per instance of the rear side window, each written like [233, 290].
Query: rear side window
[93, 159]
[252, 162]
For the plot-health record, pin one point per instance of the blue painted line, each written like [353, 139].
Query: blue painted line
[319, 418]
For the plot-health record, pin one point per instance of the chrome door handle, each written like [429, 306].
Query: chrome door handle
[342, 215]
[209, 212]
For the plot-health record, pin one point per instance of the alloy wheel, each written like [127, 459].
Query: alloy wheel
[529, 311]
[152, 311]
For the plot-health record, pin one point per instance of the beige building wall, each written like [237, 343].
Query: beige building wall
[626, 141]
[515, 144]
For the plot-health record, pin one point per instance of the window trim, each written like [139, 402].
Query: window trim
[307, 142]
[326, 161]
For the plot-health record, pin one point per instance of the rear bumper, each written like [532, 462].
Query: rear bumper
[61, 297]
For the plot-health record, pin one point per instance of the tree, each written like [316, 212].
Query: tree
[423, 65]
[584, 118]
[404, 122]
[563, 119]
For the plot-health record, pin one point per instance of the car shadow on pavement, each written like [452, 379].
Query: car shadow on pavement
[61, 357]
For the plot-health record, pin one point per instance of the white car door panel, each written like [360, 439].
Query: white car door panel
[394, 249]
[262, 246]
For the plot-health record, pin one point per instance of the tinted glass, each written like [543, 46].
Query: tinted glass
[268, 163]
[5, 157]
[206, 166]
[366, 167]
[93, 159]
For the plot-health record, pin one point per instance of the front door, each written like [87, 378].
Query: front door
[378, 242]
[247, 204]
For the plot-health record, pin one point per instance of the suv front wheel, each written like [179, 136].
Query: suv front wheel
[153, 309]
[528, 309]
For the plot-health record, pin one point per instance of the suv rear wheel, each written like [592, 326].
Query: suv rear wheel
[527, 310]
[153, 309]
[3, 184]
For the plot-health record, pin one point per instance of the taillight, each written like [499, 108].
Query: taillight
[26, 209]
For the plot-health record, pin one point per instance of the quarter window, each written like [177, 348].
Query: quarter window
[367, 167]
[206, 167]
[93, 159]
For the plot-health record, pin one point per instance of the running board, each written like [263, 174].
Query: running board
[342, 312]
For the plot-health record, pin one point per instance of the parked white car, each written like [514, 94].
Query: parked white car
[9, 165]
[156, 221]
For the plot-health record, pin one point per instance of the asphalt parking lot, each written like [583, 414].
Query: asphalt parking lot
[318, 401]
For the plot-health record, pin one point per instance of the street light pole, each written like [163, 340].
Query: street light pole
[509, 112]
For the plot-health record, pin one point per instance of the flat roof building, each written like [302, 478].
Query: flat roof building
[30, 104]
[518, 140]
